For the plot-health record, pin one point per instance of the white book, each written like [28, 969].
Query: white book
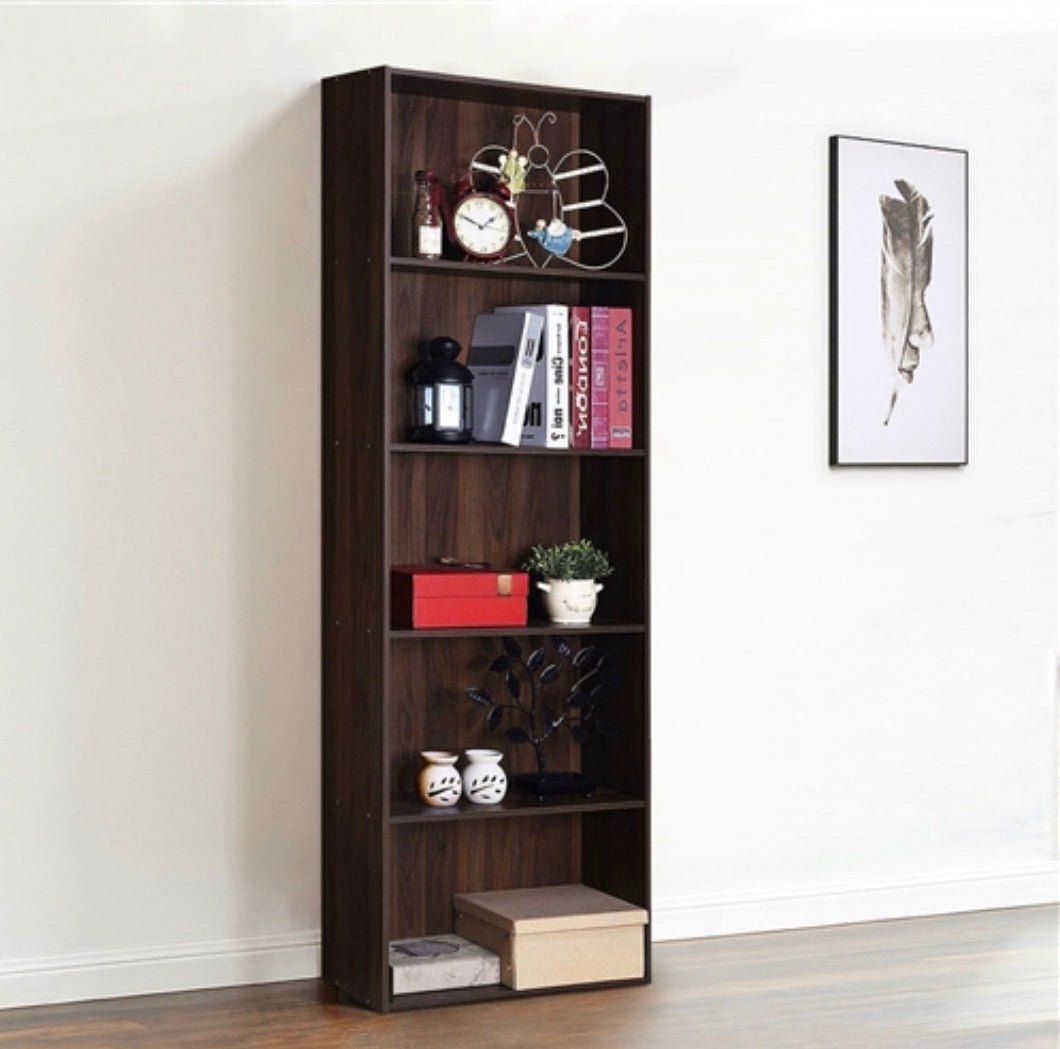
[551, 379]
[502, 355]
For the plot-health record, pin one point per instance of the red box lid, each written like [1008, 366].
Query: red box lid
[439, 581]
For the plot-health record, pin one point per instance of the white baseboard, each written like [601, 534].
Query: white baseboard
[296, 956]
[734, 913]
[174, 967]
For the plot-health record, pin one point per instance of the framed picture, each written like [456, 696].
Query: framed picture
[899, 304]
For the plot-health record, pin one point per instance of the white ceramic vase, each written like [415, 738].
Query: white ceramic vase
[438, 783]
[485, 782]
[570, 602]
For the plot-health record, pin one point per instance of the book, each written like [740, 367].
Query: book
[546, 424]
[438, 963]
[599, 339]
[620, 398]
[501, 356]
[580, 377]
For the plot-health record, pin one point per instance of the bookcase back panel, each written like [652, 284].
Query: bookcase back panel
[443, 134]
[480, 507]
[619, 761]
[612, 844]
[429, 864]
[612, 502]
[429, 708]
[428, 304]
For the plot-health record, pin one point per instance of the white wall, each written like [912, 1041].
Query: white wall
[854, 698]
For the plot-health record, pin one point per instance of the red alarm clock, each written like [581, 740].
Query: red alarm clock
[481, 220]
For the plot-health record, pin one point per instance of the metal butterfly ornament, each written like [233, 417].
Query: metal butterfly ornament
[533, 180]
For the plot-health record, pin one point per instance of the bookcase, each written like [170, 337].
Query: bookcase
[390, 865]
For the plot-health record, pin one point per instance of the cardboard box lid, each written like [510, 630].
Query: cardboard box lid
[427, 581]
[550, 908]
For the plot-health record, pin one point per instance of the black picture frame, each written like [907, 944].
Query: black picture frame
[898, 303]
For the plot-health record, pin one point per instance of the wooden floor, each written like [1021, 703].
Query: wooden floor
[970, 981]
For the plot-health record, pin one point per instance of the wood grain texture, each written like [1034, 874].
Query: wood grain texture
[353, 536]
[387, 693]
[973, 981]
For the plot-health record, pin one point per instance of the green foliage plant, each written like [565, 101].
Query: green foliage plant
[575, 559]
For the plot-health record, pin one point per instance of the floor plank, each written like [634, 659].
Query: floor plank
[986, 980]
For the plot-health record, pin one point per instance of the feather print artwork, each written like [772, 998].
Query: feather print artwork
[905, 273]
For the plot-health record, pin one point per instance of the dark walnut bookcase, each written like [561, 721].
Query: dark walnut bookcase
[390, 865]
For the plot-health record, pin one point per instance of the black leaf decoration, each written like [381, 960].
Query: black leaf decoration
[584, 655]
[549, 674]
[482, 698]
[587, 681]
[511, 679]
[547, 696]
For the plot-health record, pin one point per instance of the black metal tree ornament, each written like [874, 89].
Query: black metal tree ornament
[583, 672]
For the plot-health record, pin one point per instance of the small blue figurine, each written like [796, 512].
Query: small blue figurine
[555, 237]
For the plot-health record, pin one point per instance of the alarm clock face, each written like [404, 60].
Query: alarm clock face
[482, 225]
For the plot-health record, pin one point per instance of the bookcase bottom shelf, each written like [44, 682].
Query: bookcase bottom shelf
[498, 992]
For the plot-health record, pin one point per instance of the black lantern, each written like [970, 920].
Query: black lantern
[442, 407]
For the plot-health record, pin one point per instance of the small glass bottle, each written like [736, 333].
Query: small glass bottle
[426, 221]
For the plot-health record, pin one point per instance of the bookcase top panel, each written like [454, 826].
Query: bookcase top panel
[442, 85]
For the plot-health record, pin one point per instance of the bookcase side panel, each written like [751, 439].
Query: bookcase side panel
[354, 540]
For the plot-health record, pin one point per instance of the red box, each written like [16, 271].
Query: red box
[432, 596]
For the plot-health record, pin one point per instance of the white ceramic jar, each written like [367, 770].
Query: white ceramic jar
[485, 782]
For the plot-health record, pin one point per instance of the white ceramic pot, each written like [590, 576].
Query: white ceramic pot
[438, 783]
[570, 602]
[485, 782]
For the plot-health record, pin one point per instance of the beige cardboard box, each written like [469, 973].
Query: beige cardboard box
[555, 935]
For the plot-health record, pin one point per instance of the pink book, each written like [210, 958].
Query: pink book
[599, 338]
[620, 401]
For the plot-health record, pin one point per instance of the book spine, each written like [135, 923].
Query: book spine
[558, 379]
[580, 378]
[522, 381]
[620, 401]
[599, 334]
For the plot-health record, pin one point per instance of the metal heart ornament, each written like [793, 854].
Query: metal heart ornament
[559, 204]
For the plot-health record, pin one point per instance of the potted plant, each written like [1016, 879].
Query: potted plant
[570, 574]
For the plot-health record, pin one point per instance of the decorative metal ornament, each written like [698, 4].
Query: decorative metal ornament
[560, 222]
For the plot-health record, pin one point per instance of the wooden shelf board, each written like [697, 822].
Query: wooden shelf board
[535, 627]
[496, 992]
[411, 448]
[451, 268]
[513, 806]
